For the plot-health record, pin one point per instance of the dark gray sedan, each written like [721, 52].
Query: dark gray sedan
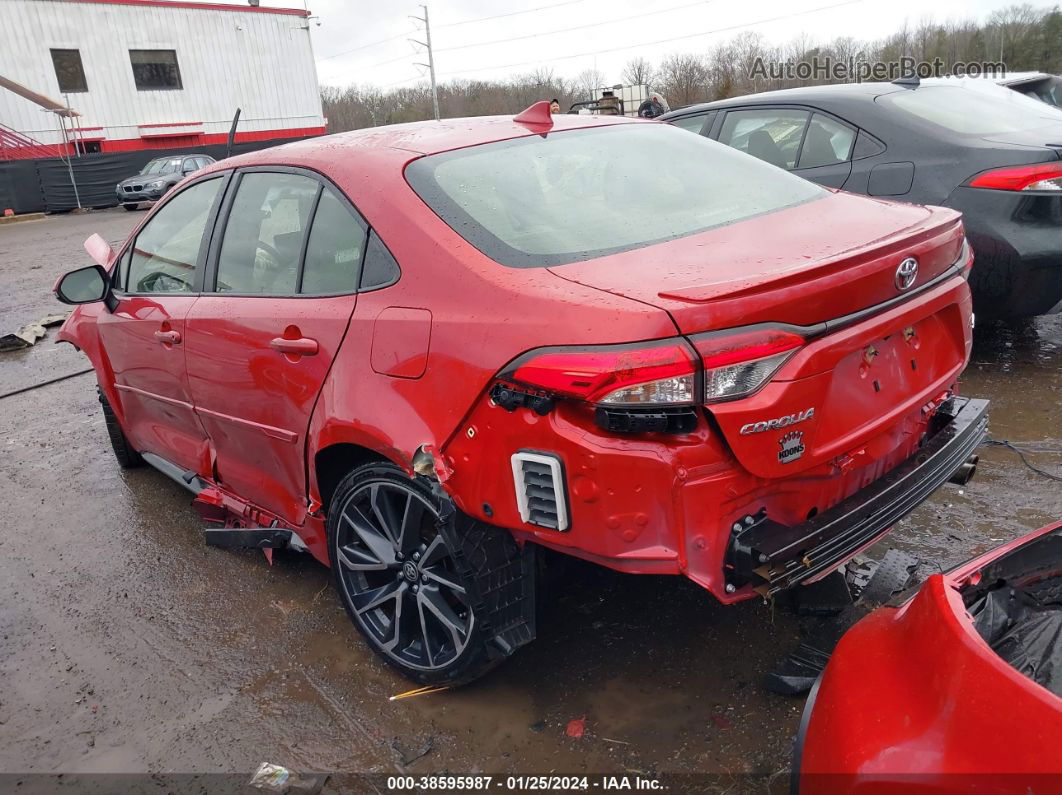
[157, 177]
[996, 159]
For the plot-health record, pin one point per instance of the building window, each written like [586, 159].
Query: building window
[155, 70]
[69, 71]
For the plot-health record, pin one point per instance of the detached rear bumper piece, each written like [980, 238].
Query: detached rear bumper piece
[917, 696]
[774, 557]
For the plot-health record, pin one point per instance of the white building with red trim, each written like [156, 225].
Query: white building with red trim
[126, 75]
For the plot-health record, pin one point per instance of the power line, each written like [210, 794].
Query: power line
[361, 47]
[597, 24]
[364, 47]
[389, 60]
[659, 41]
[510, 14]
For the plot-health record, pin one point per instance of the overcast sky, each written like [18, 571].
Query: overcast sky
[572, 35]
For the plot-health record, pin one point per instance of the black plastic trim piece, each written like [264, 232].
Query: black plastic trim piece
[255, 537]
[775, 557]
[185, 477]
[650, 419]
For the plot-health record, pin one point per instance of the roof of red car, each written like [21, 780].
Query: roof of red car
[421, 137]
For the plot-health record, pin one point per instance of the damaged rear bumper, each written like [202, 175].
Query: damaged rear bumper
[773, 557]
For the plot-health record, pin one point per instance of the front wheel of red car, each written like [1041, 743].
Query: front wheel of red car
[411, 581]
[128, 458]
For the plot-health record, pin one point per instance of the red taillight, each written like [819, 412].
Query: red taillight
[737, 364]
[650, 373]
[1044, 176]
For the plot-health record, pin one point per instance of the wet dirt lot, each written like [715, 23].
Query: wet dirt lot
[126, 645]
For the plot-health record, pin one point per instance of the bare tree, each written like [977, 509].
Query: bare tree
[1029, 38]
[588, 82]
[683, 79]
[638, 72]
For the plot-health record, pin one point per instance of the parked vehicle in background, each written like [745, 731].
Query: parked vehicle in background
[996, 157]
[912, 692]
[420, 351]
[157, 177]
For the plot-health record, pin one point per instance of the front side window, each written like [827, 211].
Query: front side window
[69, 71]
[333, 253]
[155, 70]
[578, 194]
[771, 134]
[167, 249]
[264, 234]
[827, 142]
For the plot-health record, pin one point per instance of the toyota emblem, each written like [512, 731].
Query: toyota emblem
[906, 274]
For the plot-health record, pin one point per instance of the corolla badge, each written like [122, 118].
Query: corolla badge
[777, 422]
[792, 445]
[906, 274]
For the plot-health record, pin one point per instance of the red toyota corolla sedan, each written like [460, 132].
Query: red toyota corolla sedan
[420, 351]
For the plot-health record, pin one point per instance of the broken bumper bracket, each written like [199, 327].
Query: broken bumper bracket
[255, 537]
[774, 557]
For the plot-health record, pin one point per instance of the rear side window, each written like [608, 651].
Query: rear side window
[771, 134]
[380, 267]
[333, 253]
[264, 234]
[826, 143]
[692, 123]
[578, 194]
[167, 249]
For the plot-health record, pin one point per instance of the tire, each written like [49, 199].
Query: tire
[131, 207]
[439, 596]
[128, 458]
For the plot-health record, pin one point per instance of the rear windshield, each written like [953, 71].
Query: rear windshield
[974, 111]
[579, 194]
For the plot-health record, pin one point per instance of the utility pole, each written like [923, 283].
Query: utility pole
[426, 44]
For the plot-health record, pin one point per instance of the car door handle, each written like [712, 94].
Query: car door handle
[300, 347]
[168, 337]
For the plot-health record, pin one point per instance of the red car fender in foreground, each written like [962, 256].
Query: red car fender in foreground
[914, 700]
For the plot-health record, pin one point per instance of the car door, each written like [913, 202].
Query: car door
[280, 288]
[154, 286]
[812, 144]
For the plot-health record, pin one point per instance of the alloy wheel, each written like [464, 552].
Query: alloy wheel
[399, 576]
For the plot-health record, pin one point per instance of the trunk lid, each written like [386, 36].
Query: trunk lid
[802, 265]
[806, 266]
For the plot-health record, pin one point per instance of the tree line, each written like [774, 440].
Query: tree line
[1022, 37]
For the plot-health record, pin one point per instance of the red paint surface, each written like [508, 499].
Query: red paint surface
[410, 366]
[914, 700]
[163, 141]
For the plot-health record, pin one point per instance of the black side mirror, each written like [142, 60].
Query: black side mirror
[83, 286]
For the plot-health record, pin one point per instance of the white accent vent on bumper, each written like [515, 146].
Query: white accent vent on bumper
[540, 496]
